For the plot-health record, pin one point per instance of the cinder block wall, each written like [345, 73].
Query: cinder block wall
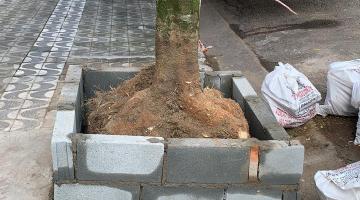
[135, 167]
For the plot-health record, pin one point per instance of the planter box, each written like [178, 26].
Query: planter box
[267, 166]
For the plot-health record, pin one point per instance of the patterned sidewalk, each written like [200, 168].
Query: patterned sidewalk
[38, 40]
[21, 22]
[117, 33]
[111, 34]
[28, 94]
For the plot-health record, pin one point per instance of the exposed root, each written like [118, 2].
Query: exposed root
[139, 107]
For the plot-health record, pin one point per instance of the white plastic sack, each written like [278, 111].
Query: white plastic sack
[287, 120]
[291, 96]
[340, 81]
[357, 138]
[355, 102]
[340, 184]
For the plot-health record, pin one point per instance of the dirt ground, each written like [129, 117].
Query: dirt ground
[323, 32]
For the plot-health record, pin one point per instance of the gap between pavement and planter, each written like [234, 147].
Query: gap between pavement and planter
[267, 166]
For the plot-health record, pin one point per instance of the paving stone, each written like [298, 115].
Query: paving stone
[8, 114]
[11, 104]
[120, 158]
[18, 86]
[181, 193]
[26, 72]
[35, 103]
[207, 161]
[25, 124]
[43, 86]
[14, 95]
[49, 72]
[253, 194]
[43, 94]
[33, 113]
[95, 192]
[30, 66]
[5, 124]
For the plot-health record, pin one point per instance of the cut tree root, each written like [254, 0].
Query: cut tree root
[138, 107]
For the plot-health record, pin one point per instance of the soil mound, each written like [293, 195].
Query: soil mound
[140, 106]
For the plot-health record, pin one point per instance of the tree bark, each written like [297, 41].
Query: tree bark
[177, 34]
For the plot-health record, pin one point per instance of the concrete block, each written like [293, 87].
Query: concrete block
[120, 158]
[106, 79]
[61, 145]
[253, 194]
[95, 192]
[181, 193]
[73, 74]
[70, 96]
[221, 80]
[242, 89]
[293, 195]
[282, 164]
[202, 79]
[196, 160]
[262, 122]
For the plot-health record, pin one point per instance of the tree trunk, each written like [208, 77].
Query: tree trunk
[167, 100]
[177, 26]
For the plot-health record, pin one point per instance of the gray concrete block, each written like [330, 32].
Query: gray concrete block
[207, 161]
[181, 193]
[95, 192]
[202, 79]
[262, 122]
[70, 96]
[120, 158]
[242, 89]
[61, 145]
[105, 79]
[253, 194]
[221, 80]
[293, 195]
[73, 74]
[282, 164]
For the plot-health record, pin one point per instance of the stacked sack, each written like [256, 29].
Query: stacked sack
[291, 96]
[343, 91]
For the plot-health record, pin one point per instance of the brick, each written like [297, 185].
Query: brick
[120, 158]
[61, 145]
[181, 193]
[282, 164]
[253, 194]
[242, 89]
[95, 192]
[207, 161]
[262, 122]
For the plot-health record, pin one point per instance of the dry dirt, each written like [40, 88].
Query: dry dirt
[140, 107]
